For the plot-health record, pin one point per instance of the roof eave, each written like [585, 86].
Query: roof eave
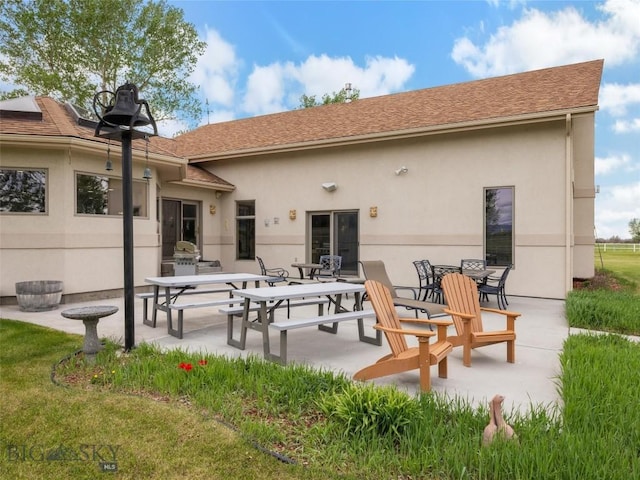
[86, 145]
[398, 134]
[206, 185]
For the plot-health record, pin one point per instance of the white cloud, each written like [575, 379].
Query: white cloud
[615, 98]
[217, 70]
[542, 39]
[169, 128]
[615, 207]
[279, 86]
[612, 164]
[265, 89]
[627, 126]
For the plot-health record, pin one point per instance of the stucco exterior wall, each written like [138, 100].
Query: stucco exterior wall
[584, 196]
[85, 251]
[434, 211]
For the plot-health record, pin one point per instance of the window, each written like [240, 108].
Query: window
[498, 225]
[246, 230]
[23, 190]
[102, 195]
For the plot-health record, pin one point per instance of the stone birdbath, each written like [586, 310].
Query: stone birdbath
[90, 317]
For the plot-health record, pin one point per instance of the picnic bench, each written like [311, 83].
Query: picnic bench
[295, 293]
[321, 322]
[145, 296]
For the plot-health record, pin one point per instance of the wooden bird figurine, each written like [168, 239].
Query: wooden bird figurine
[497, 425]
[491, 429]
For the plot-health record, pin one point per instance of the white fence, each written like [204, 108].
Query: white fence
[616, 247]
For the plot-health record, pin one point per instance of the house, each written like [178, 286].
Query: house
[500, 168]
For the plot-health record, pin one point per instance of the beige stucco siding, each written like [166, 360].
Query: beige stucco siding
[84, 251]
[434, 211]
[584, 196]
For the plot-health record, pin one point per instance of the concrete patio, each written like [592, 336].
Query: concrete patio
[531, 381]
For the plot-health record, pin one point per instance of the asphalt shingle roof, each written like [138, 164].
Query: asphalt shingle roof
[541, 92]
[56, 120]
[556, 89]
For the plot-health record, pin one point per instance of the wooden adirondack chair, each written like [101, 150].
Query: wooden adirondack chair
[403, 358]
[461, 296]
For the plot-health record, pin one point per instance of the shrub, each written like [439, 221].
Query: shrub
[367, 410]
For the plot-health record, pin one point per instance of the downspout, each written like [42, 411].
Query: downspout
[568, 213]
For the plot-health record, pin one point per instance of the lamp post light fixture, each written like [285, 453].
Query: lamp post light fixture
[119, 113]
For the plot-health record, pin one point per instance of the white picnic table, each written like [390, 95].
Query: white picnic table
[184, 282]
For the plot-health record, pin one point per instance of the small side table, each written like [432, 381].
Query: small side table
[90, 317]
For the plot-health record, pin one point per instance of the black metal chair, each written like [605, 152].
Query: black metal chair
[498, 289]
[278, 274]
[474, 265]
[438, 272]
[330, 266]
[425, 277]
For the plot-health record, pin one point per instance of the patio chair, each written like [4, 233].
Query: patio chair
[402, 358]
[425, 277]
[463, 305]
[330, 266]
[278, 274]
[497, 289]
[375, 270]
[438, 272]
[473, 264]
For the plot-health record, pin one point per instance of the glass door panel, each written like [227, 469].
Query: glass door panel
[320, 236]
[170, 227]
[190, 222]
[345, 235]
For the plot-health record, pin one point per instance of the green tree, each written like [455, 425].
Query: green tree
[634, 229]
[70, 49]
[343, 96]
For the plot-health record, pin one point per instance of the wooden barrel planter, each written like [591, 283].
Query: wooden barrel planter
[39, 295]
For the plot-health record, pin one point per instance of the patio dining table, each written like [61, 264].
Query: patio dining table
[313, 268]
[439, 271]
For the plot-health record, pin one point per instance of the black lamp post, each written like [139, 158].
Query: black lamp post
[119, 113]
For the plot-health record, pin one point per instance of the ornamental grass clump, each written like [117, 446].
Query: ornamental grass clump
[369, 411]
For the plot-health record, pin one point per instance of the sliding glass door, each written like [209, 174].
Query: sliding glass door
[334, 233]
[180, 221]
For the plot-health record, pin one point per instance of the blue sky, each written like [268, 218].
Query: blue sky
[263, 55]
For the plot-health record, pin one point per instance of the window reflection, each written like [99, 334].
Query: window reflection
[498, 239]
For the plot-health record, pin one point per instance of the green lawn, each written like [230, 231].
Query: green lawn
[49, 431]
[625, 264]
[610, 301]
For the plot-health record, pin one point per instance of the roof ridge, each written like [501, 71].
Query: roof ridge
[567, 87]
